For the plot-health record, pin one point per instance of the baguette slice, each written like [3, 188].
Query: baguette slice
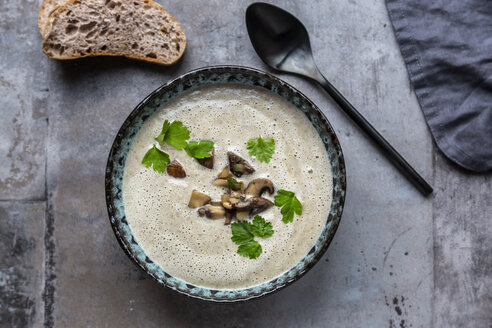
[47, 7]
[139, 29]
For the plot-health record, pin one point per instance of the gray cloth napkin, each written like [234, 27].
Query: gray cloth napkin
[447, 47]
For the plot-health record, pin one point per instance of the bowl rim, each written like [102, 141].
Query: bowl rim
[340, 195]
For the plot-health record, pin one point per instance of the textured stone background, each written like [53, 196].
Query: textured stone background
[398, 260]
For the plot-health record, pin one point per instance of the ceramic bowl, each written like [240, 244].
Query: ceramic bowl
[153, 102]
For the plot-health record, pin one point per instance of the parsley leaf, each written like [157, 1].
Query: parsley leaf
[165, 128]
[261, 228]
[199, 149]
[289, 203]
[174, 134]
[262, 149]
[241, 232]
[251, 249]
[234, 184]
[156, 158]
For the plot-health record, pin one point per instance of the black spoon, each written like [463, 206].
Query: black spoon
[282, 42]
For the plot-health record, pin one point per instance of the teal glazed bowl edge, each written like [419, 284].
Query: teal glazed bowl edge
[153, 102]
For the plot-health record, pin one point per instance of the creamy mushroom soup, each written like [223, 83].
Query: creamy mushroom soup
[197, 249]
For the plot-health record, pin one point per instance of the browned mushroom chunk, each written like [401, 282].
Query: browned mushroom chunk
[237, 194]
[175, 169]
[216, 203]
[228, 205]
[229, 216]
[198, 199]
[225, 173]
[225, 198]
[212, 212]
[229, 202]
[259, 204]
[242, 215]
[235, 200]
[258, 186]
[239, 165]
[221, 183]
[207, 162]
[243, 204]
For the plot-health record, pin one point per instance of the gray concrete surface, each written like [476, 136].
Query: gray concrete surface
[398, 260]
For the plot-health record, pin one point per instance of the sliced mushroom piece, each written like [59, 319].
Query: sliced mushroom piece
[258, 186]
[225, 198]
[237, 195]
[226, 201]
[216, 203]
[225, 173]
[212, 212]
[242, 215]
[221, 183]
[228, 205]
[243, 204]
[231, 203]
[207, 162]
[239, 165]
[198, 199]
[229, 216]
[234, 201]
[175, 169]
[259, 204]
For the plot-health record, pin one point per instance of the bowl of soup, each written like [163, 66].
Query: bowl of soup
[225, 184]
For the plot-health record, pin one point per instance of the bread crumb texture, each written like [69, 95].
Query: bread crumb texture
[46, 9]
[139, 29]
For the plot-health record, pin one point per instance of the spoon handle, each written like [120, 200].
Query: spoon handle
[388, 150]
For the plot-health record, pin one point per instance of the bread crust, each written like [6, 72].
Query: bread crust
[105, 53]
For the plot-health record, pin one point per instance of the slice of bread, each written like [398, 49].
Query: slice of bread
[47, 7]
[139, 29]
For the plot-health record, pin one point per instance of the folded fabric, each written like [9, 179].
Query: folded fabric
[447, 47]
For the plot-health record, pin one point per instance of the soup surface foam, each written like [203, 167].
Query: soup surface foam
[198, 250]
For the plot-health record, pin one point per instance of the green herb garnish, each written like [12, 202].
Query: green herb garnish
[243, 234]
[261, 228]
[199, 149]
[251, 249]
[262, 149]
[174, 134]
[289, 203]
[157, 159]
[234, 184]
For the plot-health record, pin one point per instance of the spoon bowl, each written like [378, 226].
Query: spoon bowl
[280, 39]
